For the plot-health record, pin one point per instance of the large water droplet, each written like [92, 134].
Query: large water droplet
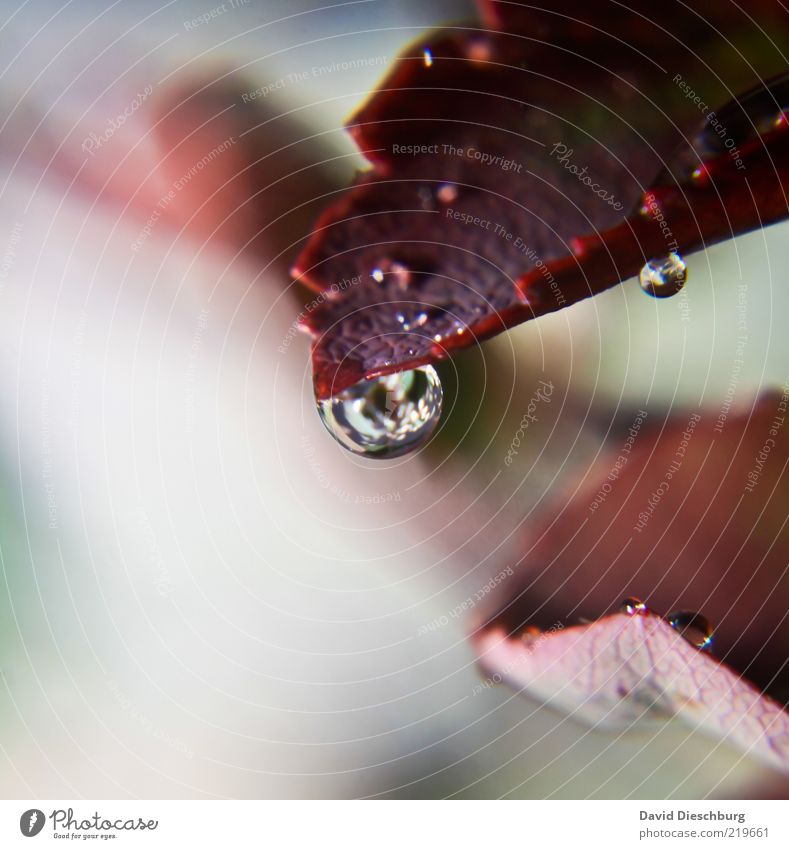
[634, 607]
[662, 278]
[694, 627]
[386, 416]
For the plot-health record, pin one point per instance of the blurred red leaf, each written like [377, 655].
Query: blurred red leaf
[687, 512]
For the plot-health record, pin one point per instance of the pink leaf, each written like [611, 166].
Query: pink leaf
[626, 669]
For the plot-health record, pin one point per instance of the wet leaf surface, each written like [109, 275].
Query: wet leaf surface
[510, 170]
[622, 672]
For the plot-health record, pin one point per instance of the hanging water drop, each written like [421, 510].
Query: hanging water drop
[386, 416]
[634, 607]
[694, 627]
[662, 278]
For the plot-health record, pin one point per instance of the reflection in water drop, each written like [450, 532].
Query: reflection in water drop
[395, 270]
[428, 57]
[694, 627]
[662, 278]
[401, 274]
[478, 50]
[633, 607]
[386, 416]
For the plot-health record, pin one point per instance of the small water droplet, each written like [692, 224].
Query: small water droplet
[447, 192]
[395, 270]
[634, 607]
[403, 319]
[694, 627]
[386, 416]
[662, 278]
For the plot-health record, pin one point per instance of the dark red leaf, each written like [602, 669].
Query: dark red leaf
[576, 119]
